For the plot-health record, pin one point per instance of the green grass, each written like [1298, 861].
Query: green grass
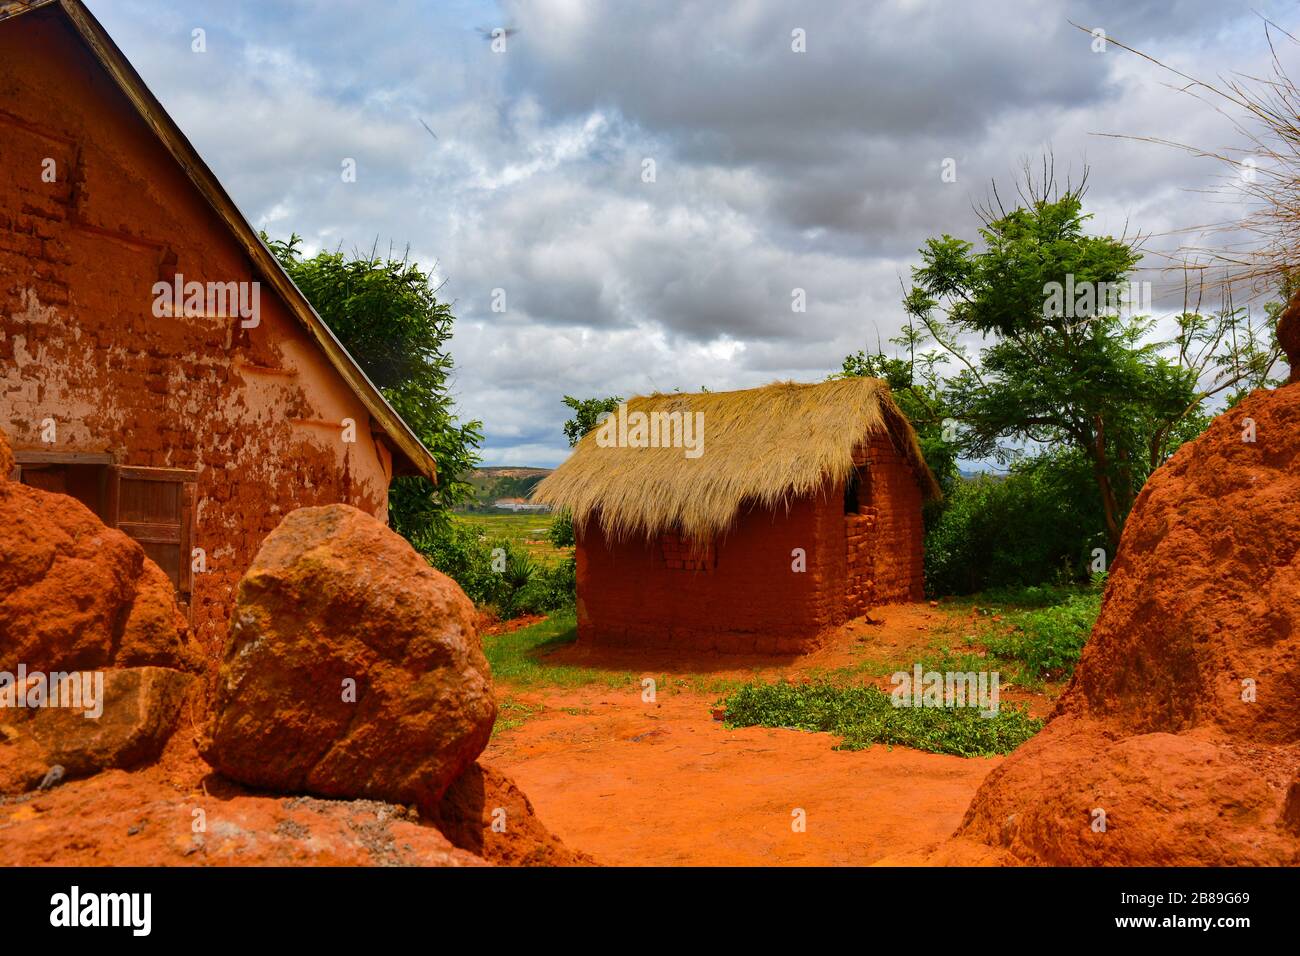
[863, 716]
[528, 531]
[520, 657]
[1038, 636]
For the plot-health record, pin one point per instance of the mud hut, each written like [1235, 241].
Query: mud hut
[746, 521]
[155, 361]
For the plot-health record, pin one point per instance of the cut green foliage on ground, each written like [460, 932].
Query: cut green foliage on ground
[863, 716]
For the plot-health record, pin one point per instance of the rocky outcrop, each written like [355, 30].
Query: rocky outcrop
[76, 595]
[1177, 741]
[352, 668]
[485, 813]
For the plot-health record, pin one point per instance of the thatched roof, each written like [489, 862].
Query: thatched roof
[761, 446]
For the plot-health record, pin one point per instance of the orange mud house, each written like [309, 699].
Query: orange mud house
[155, 361]
[744, 522]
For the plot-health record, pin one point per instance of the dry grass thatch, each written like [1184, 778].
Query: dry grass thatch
[762, 446]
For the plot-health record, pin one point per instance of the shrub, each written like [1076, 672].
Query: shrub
[561, 533]
[1046, 642]
[1036, 525]
[498, 573]
[460, 552]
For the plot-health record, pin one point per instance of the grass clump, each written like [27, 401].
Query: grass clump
[520, 657]
[1045, 643]
[863, 716]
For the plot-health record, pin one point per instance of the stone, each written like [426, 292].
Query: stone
[352, 668]
[137, 714]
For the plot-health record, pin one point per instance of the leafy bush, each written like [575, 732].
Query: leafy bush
[866, 715]
[1046, 642]
[460, 552]
[1038, 524]
[498, 573]
[561, 533]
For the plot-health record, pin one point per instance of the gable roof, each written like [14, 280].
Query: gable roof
[409, 454]
[763, 446]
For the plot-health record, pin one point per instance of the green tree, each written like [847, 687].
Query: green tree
[387, 315]
[1064, 370]
[586, 416]
[587, 412]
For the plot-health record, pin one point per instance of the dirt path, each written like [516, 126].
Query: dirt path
[664, 784]
[661, 784]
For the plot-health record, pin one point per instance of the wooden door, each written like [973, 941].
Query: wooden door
[155, 506]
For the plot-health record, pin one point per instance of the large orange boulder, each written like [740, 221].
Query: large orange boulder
[1177, 741]
[352, 668]
[81, 607]
[76, 595]
[123, 718]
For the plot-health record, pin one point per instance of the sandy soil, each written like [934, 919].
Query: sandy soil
[665, 784]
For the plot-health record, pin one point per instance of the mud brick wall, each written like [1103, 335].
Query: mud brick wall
[749, 601]
[258, 412]
[891, 533]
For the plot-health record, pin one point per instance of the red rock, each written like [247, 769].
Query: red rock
[1158, 727]
[128, 727]
[334, 596]
[66, 582]
[485, 813]
[137, 819]
[156, 630]
[75, 595]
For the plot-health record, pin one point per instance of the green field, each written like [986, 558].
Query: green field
[528, 531]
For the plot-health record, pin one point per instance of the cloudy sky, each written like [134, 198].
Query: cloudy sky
[773, 169]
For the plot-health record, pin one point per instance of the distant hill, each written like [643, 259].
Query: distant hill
[503, 481]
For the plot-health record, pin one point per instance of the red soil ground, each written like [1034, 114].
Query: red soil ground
[635, 784]
[664, 784]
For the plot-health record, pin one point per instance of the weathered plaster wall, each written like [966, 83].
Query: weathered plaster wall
[257, 411]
